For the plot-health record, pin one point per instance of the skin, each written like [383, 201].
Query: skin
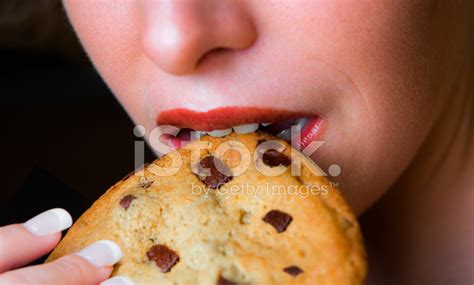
[391, 79]
[366, 68]
[19, 247]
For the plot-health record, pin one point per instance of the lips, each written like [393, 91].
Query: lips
[222, 121]
[223, 118]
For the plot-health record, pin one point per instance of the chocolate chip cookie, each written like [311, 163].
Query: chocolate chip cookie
[227, 211]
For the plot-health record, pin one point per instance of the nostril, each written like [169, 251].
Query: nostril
[212, 52]
[218, 50]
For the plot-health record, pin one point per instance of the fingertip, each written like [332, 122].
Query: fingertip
[51, 240]
[64, 218]
[69, 269]
[101, 253]
[43, 243]
[49, 222]
[82, 269]
[104, 272]
[114, 248]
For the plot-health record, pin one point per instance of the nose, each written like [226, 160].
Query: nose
[179, 35]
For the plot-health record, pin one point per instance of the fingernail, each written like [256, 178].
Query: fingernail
[49, 222]
[102, 253]
[118, 280]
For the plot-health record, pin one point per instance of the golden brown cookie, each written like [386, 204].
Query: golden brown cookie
[220, 220]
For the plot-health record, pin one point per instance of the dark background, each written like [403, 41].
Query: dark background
[64, 139]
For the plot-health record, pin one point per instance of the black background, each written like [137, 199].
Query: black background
[64, 138]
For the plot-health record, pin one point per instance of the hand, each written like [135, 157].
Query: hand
[23, 243]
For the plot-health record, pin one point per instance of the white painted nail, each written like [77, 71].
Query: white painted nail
[220, 133]
[101, 253]
[49, 222]
[265, 124]
[245, 129]
[118, 280]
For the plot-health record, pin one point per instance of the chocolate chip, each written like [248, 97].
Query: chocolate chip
[126, 201]
[223, 281]
[279, 220]
[163, 257]
[219, 172]
[293, 270]
[274, 158]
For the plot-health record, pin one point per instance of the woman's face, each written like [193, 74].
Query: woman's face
[359, 66]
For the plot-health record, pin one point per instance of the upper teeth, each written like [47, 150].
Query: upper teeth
[241, 129]
[245, 129]
[197, 134]
[220, 133]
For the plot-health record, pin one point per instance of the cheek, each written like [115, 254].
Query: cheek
[383, 47]
[109, 32]
[390, 66]
[380, 46]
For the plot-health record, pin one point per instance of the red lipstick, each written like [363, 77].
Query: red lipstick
[223, 118]
[228, 117]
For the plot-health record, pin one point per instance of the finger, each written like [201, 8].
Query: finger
[118, 280]
[91, 265]
[23, 243]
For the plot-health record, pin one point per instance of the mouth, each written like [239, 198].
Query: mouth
[242, 120]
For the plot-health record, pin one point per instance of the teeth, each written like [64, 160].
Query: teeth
[249, 128]
[245, 129]
[220, 133]
[197, 134]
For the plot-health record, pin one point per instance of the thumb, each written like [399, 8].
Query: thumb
[91, 265]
